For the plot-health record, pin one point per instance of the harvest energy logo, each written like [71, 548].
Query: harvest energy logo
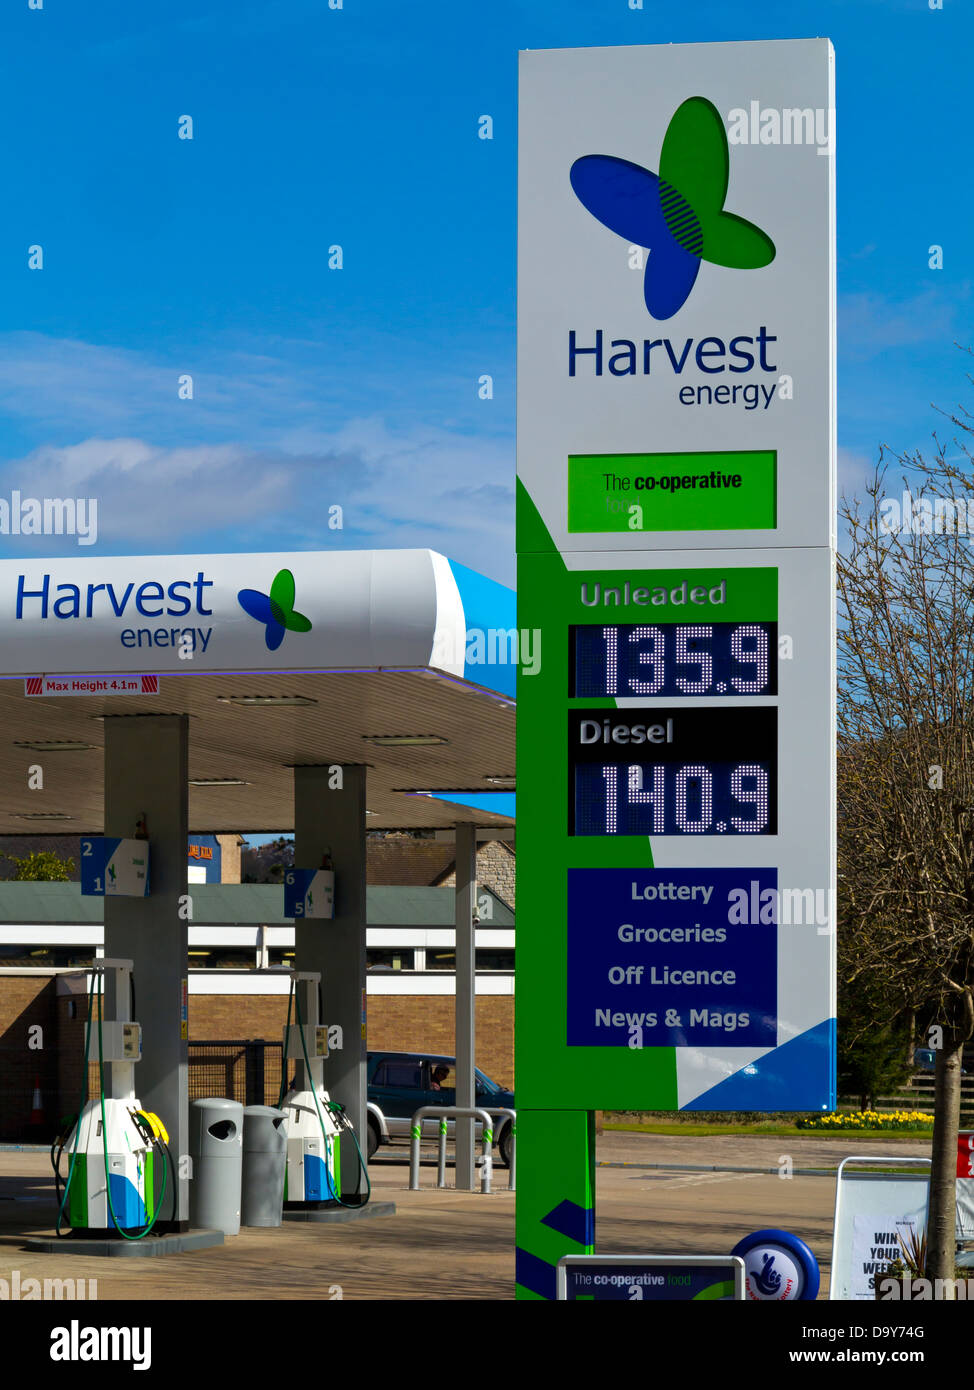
[275, 610]
[677, 215]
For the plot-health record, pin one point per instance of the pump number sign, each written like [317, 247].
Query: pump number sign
[112, 867]
[309, 893]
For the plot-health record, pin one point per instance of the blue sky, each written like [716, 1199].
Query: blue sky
[358, 126]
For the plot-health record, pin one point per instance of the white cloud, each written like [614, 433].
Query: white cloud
[425, 487]
[66, 385]
[871, 324]
[253, 461]
[853, 468]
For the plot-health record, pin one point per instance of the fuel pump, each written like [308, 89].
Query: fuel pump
[315, 1121]
[313, 1162]
[114, 1144]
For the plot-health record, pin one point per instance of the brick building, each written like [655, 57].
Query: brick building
[46, 929]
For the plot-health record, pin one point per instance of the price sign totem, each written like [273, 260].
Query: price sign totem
[676, 553]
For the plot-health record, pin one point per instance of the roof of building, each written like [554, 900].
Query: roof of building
[229, 904]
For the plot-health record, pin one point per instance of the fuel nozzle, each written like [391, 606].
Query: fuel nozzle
[338, 1111]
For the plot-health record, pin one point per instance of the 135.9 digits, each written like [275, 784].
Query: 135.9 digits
[673, 659]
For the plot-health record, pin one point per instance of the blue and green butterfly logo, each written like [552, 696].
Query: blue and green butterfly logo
[275, 610]
[678, 214]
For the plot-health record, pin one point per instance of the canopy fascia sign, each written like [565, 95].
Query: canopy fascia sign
[307, 611]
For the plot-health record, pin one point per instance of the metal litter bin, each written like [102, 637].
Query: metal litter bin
[264, 1165]
[215, 1147]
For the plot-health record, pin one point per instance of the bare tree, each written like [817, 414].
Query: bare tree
[906, 777]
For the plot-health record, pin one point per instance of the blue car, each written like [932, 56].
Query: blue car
[925, 1059]
[400, 1082]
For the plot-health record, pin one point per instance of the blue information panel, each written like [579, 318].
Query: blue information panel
[672, 957]
[651, 1278]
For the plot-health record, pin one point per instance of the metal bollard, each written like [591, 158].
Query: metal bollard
[488, 1159]
[503, 1111]
[414, 1136]
[442, 1113]
[441, 1158]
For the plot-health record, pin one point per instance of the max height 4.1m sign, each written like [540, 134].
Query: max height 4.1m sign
[676, 500]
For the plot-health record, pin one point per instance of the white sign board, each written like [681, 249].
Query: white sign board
[676, 534]
[872, 1212]
[741, 357]
[349, 610]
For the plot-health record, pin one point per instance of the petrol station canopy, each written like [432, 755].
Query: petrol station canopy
[400, 660]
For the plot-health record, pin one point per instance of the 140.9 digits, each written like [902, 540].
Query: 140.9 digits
[673, 659]
[670, 798]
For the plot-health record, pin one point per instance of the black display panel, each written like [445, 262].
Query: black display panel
[672, 771]
[667, 659]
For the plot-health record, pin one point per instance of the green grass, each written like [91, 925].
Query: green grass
[780, 1130]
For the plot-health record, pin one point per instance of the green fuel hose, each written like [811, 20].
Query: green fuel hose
[127, 1235]
[77, 1128]
[340, 1117]
[287, 1039]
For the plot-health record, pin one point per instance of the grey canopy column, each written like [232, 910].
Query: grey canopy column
[331, 817]
[146, 772]
[466, 901]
